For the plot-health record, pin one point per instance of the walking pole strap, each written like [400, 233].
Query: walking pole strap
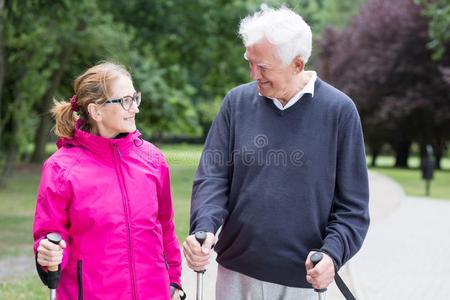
[343, 288]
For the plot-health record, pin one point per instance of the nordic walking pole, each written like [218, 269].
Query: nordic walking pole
[53, 274]
[315, 258]
[200, 237]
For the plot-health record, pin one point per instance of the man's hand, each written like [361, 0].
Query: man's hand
[198, 257]
[322, 274]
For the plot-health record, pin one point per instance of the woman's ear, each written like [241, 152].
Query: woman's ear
[94, 112]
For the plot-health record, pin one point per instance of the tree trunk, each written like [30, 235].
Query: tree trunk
[375, 148]
[7, 168]
[375, 154]
[438, 162]
[43, 129]
[402, 154]
[438, 153]
[11, 151]
[2, 61]
[8, 158]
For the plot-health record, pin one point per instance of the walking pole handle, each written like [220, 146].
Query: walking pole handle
[200, 236]
[316, 257]
[53, 274]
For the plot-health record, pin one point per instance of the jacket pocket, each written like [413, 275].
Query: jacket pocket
[80, 279]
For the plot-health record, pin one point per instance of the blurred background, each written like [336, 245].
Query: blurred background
[391, 57]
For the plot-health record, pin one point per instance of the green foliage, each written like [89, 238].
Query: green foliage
[438, 12]
[41, 43]
[195, 44]
[184, 56]
[164, 109]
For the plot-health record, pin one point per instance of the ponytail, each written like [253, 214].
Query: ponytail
[65, 119]
[90, 87]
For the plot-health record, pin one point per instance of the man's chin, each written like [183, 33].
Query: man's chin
[264, 92]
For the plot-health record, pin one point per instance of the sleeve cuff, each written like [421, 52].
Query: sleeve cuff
[336, 268]
[178, 287]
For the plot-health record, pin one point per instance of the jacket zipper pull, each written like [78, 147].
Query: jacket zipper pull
[118, 151]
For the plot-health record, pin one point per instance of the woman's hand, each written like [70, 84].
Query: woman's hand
[50, 255]
[176, 295]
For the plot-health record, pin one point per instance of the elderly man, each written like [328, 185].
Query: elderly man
[283, 172]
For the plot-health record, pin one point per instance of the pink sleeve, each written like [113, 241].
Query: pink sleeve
[52, 204]
[165, 215]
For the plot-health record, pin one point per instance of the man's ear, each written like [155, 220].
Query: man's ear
[299, 64]
[94, 112]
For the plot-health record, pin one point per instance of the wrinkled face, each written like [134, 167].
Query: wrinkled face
[113, 118]
[274, 79]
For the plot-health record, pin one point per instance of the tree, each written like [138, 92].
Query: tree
[438, 12]
[381, 60]
[184, 56]
[2, 69]
[2, 57]
[198, 53]
[38, 63]
[77, 36]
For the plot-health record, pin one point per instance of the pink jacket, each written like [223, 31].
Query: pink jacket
[110, 200]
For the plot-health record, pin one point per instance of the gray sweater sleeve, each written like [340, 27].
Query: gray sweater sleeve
[213, 177]
[349, 219]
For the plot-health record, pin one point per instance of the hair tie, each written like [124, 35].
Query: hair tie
[73, 103]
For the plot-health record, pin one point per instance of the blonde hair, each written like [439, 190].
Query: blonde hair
[90, 87]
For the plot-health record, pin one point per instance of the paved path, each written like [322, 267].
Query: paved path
[406, 254]
[17, 266]
[395, 260]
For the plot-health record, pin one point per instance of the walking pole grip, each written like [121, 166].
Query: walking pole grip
[200, 236]
[53, 274]
[315, 259]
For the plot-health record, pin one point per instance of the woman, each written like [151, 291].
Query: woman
[107, 193]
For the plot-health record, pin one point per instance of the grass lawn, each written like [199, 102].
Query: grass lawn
[23, 288]
[17, 204]
[411, 179]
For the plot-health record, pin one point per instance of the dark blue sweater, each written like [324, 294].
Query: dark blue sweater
[283, 183]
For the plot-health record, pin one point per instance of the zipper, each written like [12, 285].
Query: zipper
[127, 217]
[118, 151]
[165, 261]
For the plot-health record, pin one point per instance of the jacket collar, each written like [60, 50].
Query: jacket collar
[99, 144]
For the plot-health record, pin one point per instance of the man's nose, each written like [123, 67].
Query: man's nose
[255, 74]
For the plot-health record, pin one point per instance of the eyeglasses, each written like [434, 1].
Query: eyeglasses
[127, 101]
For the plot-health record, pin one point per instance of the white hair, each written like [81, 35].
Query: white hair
[281, 27]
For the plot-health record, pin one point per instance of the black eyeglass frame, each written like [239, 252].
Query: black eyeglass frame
[135, 98]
